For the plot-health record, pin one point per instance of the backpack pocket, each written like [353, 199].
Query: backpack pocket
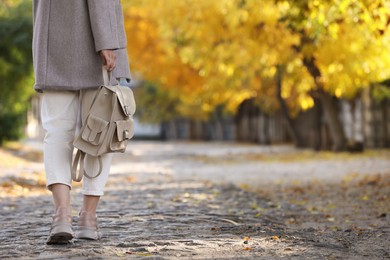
[95, 130]
[122, 133]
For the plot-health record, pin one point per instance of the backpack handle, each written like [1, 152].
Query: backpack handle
[106, 76]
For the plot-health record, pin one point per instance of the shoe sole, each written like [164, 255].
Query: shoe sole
[59, 238]
[88, 234]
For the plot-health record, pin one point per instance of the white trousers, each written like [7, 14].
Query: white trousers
[60, 116]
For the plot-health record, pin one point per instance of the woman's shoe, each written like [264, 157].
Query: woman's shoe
[87, 226]
[61, 228]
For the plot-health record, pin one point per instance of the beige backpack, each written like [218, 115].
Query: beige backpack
[107, 124]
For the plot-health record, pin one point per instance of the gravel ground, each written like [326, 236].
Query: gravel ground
[208, 201]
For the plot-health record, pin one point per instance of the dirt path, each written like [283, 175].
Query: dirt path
[176, 200]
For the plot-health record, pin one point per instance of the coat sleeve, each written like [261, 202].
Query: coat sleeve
[103, 17]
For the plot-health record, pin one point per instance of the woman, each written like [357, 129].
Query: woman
[72, 41]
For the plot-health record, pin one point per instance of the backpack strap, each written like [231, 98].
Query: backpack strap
[100, 168]
[79, 160]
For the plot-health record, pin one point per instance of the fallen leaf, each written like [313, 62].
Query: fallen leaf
[131, 179]
[143, 254]
[331, 219]
[120, 254]
[291, 221]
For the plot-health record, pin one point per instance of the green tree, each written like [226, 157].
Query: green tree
[16, 78]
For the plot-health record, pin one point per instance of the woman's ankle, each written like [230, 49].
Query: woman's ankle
[87, 212]
[63, 210]
[87, 218]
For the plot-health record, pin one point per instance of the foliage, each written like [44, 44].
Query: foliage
[16, 66]
[160, 66]
[154, 104]
[348, 39]
[381, 91]
[212, 53]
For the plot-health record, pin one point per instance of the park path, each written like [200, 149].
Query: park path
[183, 200]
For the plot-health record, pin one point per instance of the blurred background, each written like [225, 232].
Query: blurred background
[308, 72]
[242, 84]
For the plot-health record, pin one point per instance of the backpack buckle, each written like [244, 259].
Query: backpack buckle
[126, 135]
[126, 110]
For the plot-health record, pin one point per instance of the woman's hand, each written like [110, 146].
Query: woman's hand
[109, 59]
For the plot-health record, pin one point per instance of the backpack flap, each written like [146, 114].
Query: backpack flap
[124, 130]
[126, 98]
[93, 132]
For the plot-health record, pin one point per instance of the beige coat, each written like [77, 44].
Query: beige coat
[67, 36]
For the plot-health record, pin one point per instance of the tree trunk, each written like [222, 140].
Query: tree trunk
[218, 126]
[331, 113]
[255, 124]
[242, 122]
[195, 130]
[335, 127]
[356, 140]
[309, 124]
[163, 131]
[172, 130]
[267, 138]
[385, 120]
[294, 133]
[316, 130]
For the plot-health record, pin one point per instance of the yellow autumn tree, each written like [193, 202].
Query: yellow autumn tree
[231, 49]
[213, 53]
[344, 46]
[234, 45]
[156, 64]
